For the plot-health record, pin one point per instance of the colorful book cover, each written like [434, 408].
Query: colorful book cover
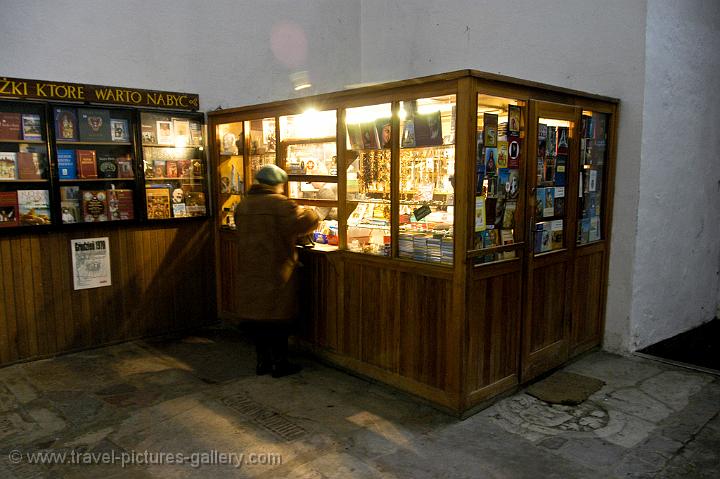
[594, 231]
[120, 204]
[539, 202]
[383, 126]
[503, 180]
[556, 234]
[369, 136]
[549, 202]
[196, 136]
[10, 126]
[70, 193]
[562, 139]
[86, 163]
[147, 130]
[29, 166]
[514, 152]
[159, 168]
[480, 224]
[119, 130]
[428, 129]
[94, 125]
[66, 126]
[34, 207]
[542, 140]
[512, 187]
[171, 169]
[184, 168]
[559, 200]
[490, 126]
[354, 136]
[408, 136]
[9, 215]
[31, 127]
[584, 230]
[8, 165]
[560, 165]
[158, 203]
[490, 161]
[502, 153]
[67, 166]
[551, 148]
[179, 210]
[195, 203]
[107, 166]
[124, 166]
[70, 211]
[509, 214]
[513, 120]
[94, 205]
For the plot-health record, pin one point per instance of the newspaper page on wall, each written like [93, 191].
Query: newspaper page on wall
[91, 262]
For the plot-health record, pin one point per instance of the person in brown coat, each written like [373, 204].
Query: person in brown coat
[268, 225]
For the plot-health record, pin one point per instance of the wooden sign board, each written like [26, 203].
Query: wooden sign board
[47, 90]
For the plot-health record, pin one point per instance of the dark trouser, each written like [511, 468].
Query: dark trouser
[271, 341]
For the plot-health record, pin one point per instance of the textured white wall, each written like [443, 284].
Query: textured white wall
[220, 49]
[597, 47]
[678, 243]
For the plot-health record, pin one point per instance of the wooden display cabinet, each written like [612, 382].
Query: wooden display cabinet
[473, 222]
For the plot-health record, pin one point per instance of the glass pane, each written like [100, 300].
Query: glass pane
[593, 155]
[369, 137]
[309, 124]
[500, 137]
[319, 159]
[552, 160]
[261, 143]
[427, 171]
[230, 171]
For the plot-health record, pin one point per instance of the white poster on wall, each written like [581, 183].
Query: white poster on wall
[91, 262]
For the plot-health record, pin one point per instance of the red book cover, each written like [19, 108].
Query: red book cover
[86, 164]
[10, 126]
[184, 168]
[120, 204]
[9, 209]
[94, 206]
[124, 164]
[29, 167]
[171, 169]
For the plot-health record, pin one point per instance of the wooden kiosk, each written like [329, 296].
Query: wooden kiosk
[468, 217]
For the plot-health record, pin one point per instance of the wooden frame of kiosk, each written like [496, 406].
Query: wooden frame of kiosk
[467, 218]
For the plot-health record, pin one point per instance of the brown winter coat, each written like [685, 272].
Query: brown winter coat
[268, 225]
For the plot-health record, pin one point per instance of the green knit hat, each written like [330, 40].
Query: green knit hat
[271, 175]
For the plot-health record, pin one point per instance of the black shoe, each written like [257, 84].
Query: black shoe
[285, 369]
[263, 368]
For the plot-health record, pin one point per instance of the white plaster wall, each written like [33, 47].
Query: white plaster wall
[220, 49]
[598, 47]
[678, 244]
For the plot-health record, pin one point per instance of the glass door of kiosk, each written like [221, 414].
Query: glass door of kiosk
[550, 201]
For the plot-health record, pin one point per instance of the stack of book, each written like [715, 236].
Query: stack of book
[420, 247]
[446, 248]
[405, 245]
[434, 253]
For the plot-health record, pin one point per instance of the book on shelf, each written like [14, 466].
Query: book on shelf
[179, 210]
[34, 207]
[185, 169]
[514, 152]
[120, 204]
[384, 131]
[556, 234]
[584, 230]
[31, 127]
[70, 193]
[29, 166]
[147, 131]
[196, 134]
[559, 198]
[165, 135]
[509, 214]
[94, 205]
[94, 124]
[70, 211]
[513, 120]
[408, 134]
[124, 166]
[506, 238]
[428, 129]
[549, 202]
[181, 131]
[9, 215]
[490, 161]
[369, 135]
[195, 203]
[10, 126]
[502, 152]
[67, 166]
[158, 168]
[491, 205]
[8, 165]
[490, 126]
[594, 231]
[66, 126]
[158, 202]
[171, 169]
[86, 163]
[480, 224]
[119, 130]
[107, 166]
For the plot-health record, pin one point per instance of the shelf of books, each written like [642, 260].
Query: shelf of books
[309, 156]
[593, 156]
[24, 166]
[500, 136]
[174, 167]
[427, 169]
[553, 140]
[95, 157]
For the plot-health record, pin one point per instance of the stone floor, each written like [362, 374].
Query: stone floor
[197, 401]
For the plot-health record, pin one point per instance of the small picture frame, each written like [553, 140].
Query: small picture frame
[165, 133]
[119, 130]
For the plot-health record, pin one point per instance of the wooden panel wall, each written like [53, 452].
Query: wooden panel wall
[319, 279]
[547, 315]
[494, 308]
[162, 281]
[397, 321]
[587, 307]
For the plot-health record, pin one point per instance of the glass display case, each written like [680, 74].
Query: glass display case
[553, 143]
[367, 179]
[500, 140]
[230, 171]
[427, 171]
[174, 165]
[25, 193]
[593, 157]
